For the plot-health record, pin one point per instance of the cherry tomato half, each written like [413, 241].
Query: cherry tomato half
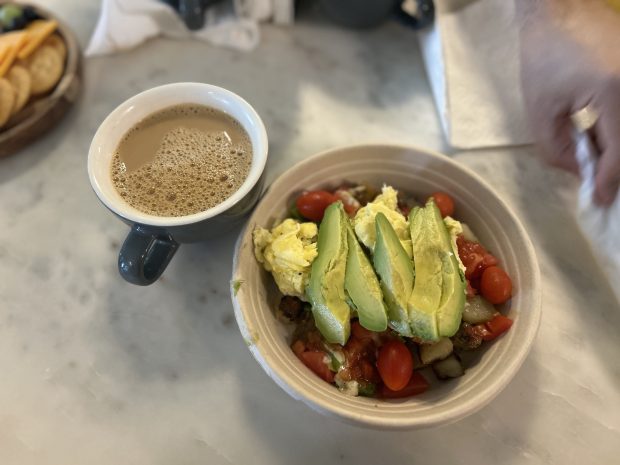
[395, 365]
[495, 285]
[444, 202]
[416, 385]
[497, 326]
[312, 205]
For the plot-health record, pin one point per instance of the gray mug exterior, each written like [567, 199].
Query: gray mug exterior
[147, 250]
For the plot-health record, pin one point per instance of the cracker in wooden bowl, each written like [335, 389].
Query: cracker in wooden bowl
[58, 44]
[45, 67]
[7, 98]
[21, 81]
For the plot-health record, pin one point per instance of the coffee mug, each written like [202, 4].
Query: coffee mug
[153, 240]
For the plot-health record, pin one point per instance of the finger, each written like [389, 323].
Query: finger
[607, 177]
[556, 136]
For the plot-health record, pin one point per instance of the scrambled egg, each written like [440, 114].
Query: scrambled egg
[386, 203]
[287, 251]
[455, 228]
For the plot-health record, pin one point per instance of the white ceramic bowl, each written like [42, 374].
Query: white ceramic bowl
[422, 173]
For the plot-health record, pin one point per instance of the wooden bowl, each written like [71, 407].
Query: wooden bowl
[42, 114]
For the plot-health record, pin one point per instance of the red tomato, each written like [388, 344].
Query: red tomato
[315, 360]
[312, 205]
[416, 385]
[497, 326]
[495, 285]
[444, 202]
[395, 364]
[475, 258]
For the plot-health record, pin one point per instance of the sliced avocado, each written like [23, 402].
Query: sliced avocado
[426, 295]
[395, 270]
[453, 291]
[438, 296]
[326, 285]
[363, 287]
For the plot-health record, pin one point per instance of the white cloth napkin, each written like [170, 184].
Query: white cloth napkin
[126, 24]
[472, 60]
[601, 226]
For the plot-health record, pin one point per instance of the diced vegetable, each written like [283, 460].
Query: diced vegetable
[416, 385]
[430, 353]
[468, 234]
[449, 368]
[467, 338]
[315, 360]
[478, 310]
[367, 389]
[497, 326]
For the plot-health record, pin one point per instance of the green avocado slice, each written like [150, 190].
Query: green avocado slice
[452, 303]
[327, 276]
[426, 295]
[363, 287]
[395, 270]
[438, 297]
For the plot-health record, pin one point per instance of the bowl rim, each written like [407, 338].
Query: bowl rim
[429, 419]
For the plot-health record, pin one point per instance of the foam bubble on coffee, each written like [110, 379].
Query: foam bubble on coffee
[193, 170]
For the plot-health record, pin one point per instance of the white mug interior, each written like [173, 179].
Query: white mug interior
[138, 107]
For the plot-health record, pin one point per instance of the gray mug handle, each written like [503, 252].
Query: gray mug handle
[145, 255]
[192, 12]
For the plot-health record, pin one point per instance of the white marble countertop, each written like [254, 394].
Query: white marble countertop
[96, 371]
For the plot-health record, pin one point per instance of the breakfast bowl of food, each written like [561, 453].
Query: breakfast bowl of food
[387, 286]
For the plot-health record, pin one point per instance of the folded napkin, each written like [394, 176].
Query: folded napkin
[601, 226]
[125, 24]
[471, 55]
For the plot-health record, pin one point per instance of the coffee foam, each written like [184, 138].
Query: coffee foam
[192, 171]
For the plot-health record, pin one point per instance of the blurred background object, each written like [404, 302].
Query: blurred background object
[192, 11]
[229, 23]
[359, 13]
[371, 13]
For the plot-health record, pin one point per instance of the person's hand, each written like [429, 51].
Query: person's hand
[570, 59]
